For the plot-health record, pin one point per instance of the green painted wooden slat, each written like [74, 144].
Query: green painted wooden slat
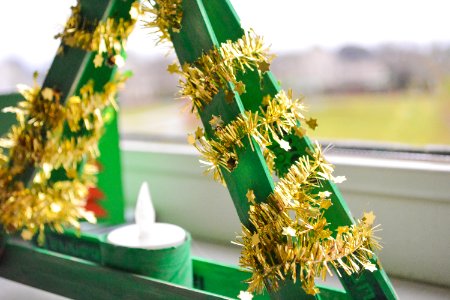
[251, 172]
[228, 280]
[80, 279]
[220, 24]
[77, 278]
[110, 175]
[8, 119]
[69, 72]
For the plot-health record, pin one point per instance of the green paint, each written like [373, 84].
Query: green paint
[214, 22]
[77, 278]
[172, 264]
[8, 119]
[110, 176]
[80, 279]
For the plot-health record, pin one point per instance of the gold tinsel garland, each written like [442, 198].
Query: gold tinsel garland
[38, 141]
[50, 136]
[163, 16]
[107, 36]
[279, 116]
[219, 67]
[289, 238]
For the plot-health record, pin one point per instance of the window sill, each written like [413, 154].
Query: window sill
[411, 200]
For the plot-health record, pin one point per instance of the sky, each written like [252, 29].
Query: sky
[27, 27]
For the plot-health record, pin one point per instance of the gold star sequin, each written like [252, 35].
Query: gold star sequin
[284, 145]
[98, 60]
[191, 139]
[250, 196]
[47, 93]
[312, 123]
[325, 204]
[199, 133]
[173, 68]
[324, 194]
[244, 295]
[216, 122]
[264, 66]
[339, 179]
[342, 229]
[255, 239]
[371, 267]
[369, 218]
[288, 231]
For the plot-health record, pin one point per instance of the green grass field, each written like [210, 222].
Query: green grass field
[408, 118]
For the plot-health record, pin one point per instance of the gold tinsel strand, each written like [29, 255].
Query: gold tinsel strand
[107, 36]
[43, 202]
[281, 246]
[279, 116]
[37, 141]
[217, 68]
[163, 16]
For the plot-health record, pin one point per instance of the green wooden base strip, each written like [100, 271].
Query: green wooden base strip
[229, 280]
[171, 264]
[80, 279]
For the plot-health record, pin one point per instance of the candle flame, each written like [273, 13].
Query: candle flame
[144, 214]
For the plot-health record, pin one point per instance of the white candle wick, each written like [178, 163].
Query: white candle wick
[144, 214]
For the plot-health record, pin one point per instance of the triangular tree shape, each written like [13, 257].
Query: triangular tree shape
[205, 26]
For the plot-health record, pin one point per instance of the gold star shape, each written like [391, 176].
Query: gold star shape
[255, 239]
[98, 60]
[134, 11]
[47, 93]
[229, 96]
[199, 133]
[240, 87]
[173, 68]
[284, 145]
[326, 204]
[339, 179]
[216, 121]
[325, 194]
[244, 295]
[27, 235]
[288, 231]
[250, 196]
[342, 229]
[369, 218]
[119, 61]
[264, 66]
[312, 123]
[326, 233]
[191, 139]
[266, 100]
[371, 267]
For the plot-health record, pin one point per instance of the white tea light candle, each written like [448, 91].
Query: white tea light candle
[146, 233]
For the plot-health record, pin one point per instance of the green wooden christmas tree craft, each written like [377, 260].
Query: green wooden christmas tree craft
[233, 110]
[61, 122]
[227, 96]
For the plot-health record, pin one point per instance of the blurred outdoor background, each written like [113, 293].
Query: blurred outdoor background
[370, 72]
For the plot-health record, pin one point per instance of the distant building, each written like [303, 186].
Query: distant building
[320, 71]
